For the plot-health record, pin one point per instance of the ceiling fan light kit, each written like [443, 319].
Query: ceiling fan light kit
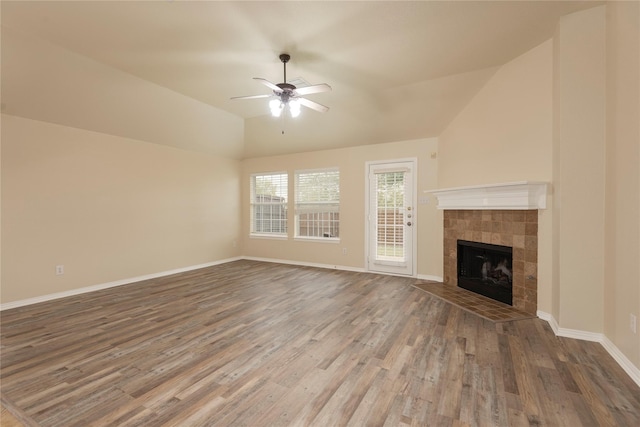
[288, 96]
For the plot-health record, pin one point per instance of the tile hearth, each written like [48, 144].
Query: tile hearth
[487, 308]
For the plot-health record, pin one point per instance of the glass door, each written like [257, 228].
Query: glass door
[391, 218]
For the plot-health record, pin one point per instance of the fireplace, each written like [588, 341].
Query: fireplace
[514, 228]
[486, 269]
[497, 214]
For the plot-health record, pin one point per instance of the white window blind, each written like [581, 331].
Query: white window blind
[390, 188]
[269, 203]
[317, 203]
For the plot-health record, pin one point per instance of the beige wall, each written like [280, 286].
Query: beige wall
[579, 168]
[107, 208]
[622, 214]
[505, 134]
[351, 162]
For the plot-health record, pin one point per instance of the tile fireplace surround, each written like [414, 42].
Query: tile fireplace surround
[499, 214]
[515, 228]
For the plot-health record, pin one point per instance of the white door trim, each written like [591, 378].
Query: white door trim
[412, 259]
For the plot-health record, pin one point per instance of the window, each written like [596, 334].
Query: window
[317, 203]
[269, 203]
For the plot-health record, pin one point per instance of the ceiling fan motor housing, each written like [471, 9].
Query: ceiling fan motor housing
[286, 86]
[287, 91]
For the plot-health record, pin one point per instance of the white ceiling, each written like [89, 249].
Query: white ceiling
[399, 69]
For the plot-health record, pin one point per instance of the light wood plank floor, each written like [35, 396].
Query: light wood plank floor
[260, 344]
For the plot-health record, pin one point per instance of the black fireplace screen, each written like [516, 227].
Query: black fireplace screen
[486, 269]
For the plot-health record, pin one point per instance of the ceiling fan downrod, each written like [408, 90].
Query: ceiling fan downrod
[285, 57]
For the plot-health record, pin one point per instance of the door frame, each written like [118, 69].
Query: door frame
[414, 227]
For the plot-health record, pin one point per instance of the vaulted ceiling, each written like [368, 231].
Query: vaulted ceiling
[399, 69]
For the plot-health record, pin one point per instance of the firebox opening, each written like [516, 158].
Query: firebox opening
[486, 269]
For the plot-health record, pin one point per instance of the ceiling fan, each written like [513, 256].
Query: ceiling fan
[285, 94]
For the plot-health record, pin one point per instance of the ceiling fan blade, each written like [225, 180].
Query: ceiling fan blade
[323, 87]
[252, 96]
[313, 105]
[268, 84]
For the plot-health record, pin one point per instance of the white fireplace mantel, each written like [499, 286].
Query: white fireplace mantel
[510, 195]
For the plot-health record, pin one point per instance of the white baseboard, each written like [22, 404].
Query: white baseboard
[336, 267]
[306, 264]
[430, 278]
[58, 295]
[631, 370]
[622, 360]
[550, 319]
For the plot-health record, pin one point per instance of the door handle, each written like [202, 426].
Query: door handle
[409, 223]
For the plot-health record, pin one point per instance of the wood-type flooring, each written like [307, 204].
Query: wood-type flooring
[249, 343]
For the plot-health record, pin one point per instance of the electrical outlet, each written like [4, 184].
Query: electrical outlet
[59, 270]
[344, 251]
[633, 323]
